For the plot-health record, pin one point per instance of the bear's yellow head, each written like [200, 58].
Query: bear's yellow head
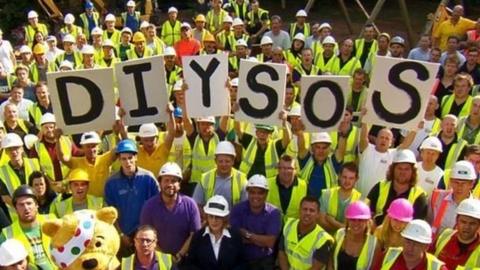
[84, 240]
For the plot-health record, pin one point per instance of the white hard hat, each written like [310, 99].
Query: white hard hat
[178, 85]
[237, 21]
[172, 9]
[47, 118]
[108, 43]
[266, 40]
[241, 42]
[463, 170]
[258, 180]
[186, 25]
[68, 38]
[11, 140]
[432, 143]
[301, 13]
[131, 3]
[295, 111]
[110, 18]
[234, 82]
[12, 251]
[404, 156]
[169, 51]
[171, 169]
[329, 40]
[217, 206]
[148, 130]
[144, 24]
[323, 25]
[66, 64]
[97, 31]
[32, 14]
[227, 19]
[253, 59]
[225, 148]
[51, 38]
[30, 140]
[69, 19]
[25, 49]
[419, 231]
[208, 119]
[88, 49]
[299, 36]
[469, 207]
[90, 137]
[128, 30]
[321, 137]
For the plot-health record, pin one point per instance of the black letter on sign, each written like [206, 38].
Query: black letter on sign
[143, 108]
[96, 100]
[205, 76]
[394, 79]
[256, 87]
[337, 93]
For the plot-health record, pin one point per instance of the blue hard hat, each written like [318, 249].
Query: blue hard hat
[88, 4]
[126, 146]
[178, 112]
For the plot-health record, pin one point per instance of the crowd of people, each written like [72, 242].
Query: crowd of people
[217, 193]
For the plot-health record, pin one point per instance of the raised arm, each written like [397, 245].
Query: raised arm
[287, 132]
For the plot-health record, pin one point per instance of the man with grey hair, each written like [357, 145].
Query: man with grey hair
[279, 37]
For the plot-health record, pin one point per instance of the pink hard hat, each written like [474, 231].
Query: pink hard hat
[401, 209]
[358, 210]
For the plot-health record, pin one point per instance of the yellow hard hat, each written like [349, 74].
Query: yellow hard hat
[209, 38]
[138, 37]
[200, 18]
[39, 49]
[78, 175]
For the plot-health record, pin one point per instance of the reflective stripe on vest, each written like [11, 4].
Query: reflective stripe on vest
[392, 254]
[384, 190]
[298, 192]
[114, 37]
[436, 199]
[454, 153]
[305, 31]
[164, 261]
[251, 17]
[30, 32]
[240, 13]
[447, 103]
[202, 161]
[223, 38]
[473, 261]
[296, 249]
[45, 160]
[359, 43]
[132, 54]
[170, 35]
[332, 196]
[365, 258]
[85, 22]
[347, 69]
[211, 20]
[271, 158]
[328, 170]
[65, 207]
[11, 179]
[238, 180]
[36, 114]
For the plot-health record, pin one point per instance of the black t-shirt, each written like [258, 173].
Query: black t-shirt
[345, 261]
[258, 166]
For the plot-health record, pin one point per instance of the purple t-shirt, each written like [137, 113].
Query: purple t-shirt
[268, 222]
[173, 226]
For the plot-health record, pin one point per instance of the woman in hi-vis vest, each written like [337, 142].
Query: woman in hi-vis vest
[399, 214]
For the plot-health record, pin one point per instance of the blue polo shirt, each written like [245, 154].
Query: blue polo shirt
[128, 195]
[317, 179]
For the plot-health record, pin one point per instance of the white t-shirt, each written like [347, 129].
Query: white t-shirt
[373, 167]
[428, 180]
[23, 107]
[420, 136]
[5, 51]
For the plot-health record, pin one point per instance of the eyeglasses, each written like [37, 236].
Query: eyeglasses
[145, 240]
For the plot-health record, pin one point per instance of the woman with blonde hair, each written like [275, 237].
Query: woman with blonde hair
[355, 246]
[399, 214]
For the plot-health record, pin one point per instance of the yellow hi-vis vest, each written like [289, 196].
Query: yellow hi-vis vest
[447, 102]
[473, 261]
[352, 143]
[15, 231]
[271, 158]
[300, 252]
[347, 69]
[365, 258]
[35, 73]
[453, 154]
[132, 54]
[328, 169]
[61, 207]
[85, 22]
[223, 38]
[298, 192]
[159, 46]
[136, 15]
[320, 61]
[331, 195]
[360, 43]
[36, 114]
[241, 13]
[171, 34]
[10, 178]
[384, 189]
[392, 254]
[30, 32]
[462, 122]
[45, 160]
[74, 31]
[251, 17]
[77, 59]
[115, 36]
[164, 261]
[238, 182]
[213, 25]
[305, 31]
[201, 160]
[186, 152]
